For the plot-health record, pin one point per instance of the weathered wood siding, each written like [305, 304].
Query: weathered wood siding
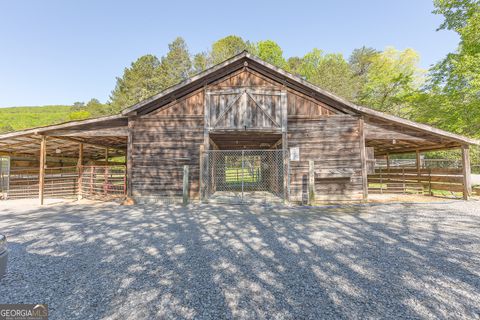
[244, 78]
[163, 142]
[301, 106]
[333, 143]
[167, 139]
[244, 109]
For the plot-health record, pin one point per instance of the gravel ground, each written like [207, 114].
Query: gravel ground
[105, 261]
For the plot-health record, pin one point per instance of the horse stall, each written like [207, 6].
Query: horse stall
[80, 159]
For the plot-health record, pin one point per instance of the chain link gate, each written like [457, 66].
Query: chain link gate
[245, 176]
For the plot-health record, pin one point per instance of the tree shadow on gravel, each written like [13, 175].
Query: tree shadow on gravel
[212, 262]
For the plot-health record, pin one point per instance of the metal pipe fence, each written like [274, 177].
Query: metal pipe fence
[103, 181]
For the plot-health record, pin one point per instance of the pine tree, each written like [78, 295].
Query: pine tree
[140, 81]
[176, 66]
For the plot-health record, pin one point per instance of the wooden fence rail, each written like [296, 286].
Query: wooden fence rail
[63, 182]
[411, 180]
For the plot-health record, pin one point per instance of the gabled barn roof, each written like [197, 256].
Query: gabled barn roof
[111, 131]
[246, 59]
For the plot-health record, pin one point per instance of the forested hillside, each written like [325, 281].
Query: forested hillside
[446, 96]
[17, 118]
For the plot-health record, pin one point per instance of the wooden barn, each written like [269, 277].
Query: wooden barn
[241, 131]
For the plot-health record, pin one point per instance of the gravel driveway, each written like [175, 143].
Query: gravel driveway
[106, 261]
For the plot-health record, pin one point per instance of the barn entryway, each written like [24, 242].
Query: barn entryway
[245, 176]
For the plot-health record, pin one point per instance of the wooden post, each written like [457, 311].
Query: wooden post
[185, 185]
[92, 168]
[388, 163]
[106, 156]
[311, 182]
[430, 182]
[467, 181]
[381, 181]
[131, 122]
[286, 156]
[105, 181]
[417, 161]
[80, 170]
[286, 168]
[200, 181]
[243, 167]
[41, 177]
[206, 127]
[363, 158]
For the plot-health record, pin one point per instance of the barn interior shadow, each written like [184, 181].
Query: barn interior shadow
[242, 261]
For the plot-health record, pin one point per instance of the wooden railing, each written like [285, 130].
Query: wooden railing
[411, 180]
[63, 182]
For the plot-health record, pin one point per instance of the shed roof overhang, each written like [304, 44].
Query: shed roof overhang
[64, 139]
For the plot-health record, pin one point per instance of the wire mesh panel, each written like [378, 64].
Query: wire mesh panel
[4, 175]
[241, 176]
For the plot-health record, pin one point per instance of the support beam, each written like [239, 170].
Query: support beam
[206, 126]
[80, 170]
[106, 156]
[363, 158]
[98, 145]
[311, 182]
[417, 161]
[388, 162]
[131, 123]
[185, 184]
[41, 177]
[110, 132]
[286, 168]
[423, 149]
[467, 180]
[200, 178]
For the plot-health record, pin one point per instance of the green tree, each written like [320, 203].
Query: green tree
[451, 98]
[361, 59]
[293, 65]
[176, 66]
[140, 81]
[97, 109]
[78, 106]
[392, 77]
[79, 115]
[200, 62]
[271, 52]
[227, 47]
[456, 13]
[328, 71]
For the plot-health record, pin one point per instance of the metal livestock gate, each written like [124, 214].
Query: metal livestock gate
[245, 176]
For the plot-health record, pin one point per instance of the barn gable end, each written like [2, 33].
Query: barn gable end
[244, 106]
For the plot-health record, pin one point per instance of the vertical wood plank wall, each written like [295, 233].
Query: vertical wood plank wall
[333, 144]
[163, 142]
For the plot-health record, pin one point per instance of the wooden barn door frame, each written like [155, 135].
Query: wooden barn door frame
[284, 130]
[243, 94]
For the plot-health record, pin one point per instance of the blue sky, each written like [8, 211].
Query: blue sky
[59, 52]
